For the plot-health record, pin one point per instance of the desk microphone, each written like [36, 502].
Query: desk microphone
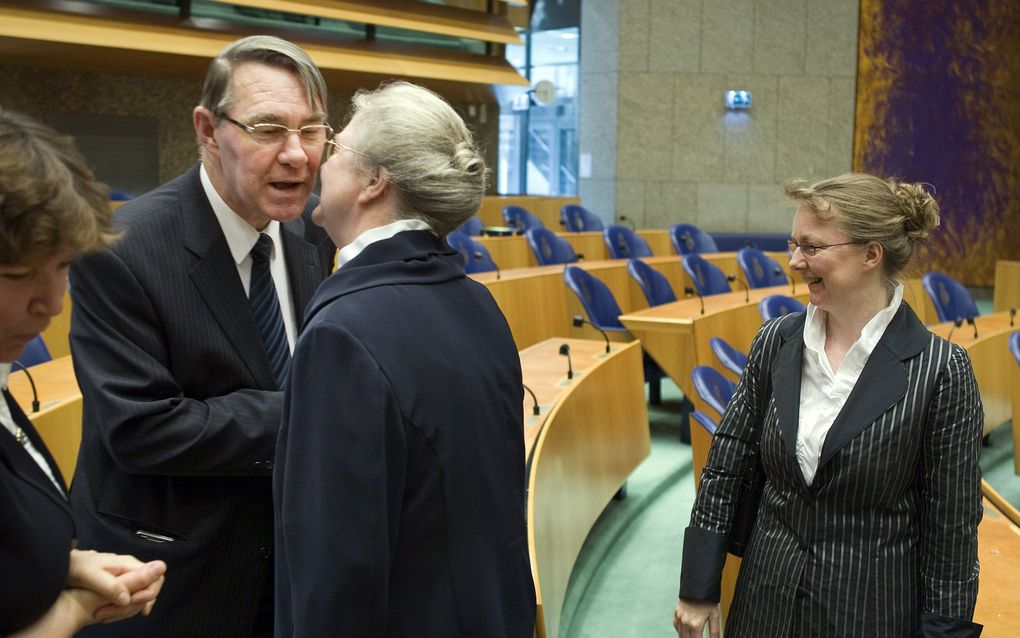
[1012, 313]
[747, 291]
[956, 324]
[970, 320]
[565, 351]
[31, 382]
[534, 399]
[630, 222]
[580, 321]
[688, 292]
[480, 256]
[793, 282]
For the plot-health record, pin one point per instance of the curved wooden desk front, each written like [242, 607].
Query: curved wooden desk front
[592, 433]
[994, 367]
[514, 252]
[59, 417]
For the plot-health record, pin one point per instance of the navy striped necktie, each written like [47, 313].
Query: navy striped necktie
[265, 304]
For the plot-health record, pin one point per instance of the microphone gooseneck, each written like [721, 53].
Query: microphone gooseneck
[793, 282]
[565, 351]
[690, 292]
[479, 255]
[580, 321]
[747, 290]
[970, 320]
[1012, 313]
[534, 401]
[31, 382]
[630, 222]
[956, 324]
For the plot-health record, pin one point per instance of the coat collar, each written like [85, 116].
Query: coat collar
[23, 464]
[214, 273]
[882, 383]
[415, 256]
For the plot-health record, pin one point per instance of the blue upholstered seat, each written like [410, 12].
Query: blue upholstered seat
[548, 248]
[950, 298]
[778, 305]
[688, 239]
[652, 282]
[520, 218]
[577, 219]
[476, 256]
[713, 388]
[731, 358]
[761, 270]
[707, 277]
[35, 353]
[472, 227]
[624, 243]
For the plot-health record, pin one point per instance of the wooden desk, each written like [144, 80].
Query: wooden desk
[999, 555]
[582, 448]
[59, 418]
[994, 368]
[1007, 285]
[538, 305]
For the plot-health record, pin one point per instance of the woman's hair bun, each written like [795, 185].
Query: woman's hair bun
[919, 208]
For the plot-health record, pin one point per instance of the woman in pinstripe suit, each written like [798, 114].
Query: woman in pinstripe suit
[868, 429]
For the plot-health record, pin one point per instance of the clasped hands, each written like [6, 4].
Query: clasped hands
[113, 586]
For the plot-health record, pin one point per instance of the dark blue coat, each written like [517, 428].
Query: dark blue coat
[399, 486]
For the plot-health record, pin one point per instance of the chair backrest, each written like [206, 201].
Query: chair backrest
[577, 219]
[707, 277]
[761, 270]
[472, 227]
[548, 248]
[520, 218]
[624, 243]
[653, 283]
[476, 256]
[778, 305]
[1014, 345]
[950, 298]
[35, 353]
[688, 239]
[713, 388]
[731, 358]
[596, 298]
[704, 421]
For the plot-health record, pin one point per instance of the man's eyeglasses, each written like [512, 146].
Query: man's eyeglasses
[333, 144]
[810, 250]
[270, 134]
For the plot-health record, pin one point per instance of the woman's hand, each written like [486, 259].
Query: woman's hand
[119, 578]
[690, 616]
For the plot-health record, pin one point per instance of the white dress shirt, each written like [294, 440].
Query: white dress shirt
[241, 238]
[379, 233]
[824, 392]
[8, 421]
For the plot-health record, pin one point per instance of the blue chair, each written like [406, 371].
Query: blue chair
[707, 277]
[548, 248]
[761, 270]
[603, 311]
[35, 353]
[713, 388]
[705, 421]
[652, 282]
[950, 298]
[578, 219]
[731, 358]
[624, 243]
[476, 256]
[473, 227]
[778, 305]
[1014, 345]
[521, 219]
[689, 239]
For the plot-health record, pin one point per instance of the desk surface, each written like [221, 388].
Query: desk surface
[54, 381]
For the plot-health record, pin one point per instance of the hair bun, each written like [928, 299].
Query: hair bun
[466, 158]
[919, 208]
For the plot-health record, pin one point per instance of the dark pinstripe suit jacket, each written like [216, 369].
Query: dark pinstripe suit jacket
[181, 412]
[884, 542]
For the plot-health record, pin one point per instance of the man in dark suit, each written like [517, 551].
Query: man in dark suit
[399, 484]
[181, 336]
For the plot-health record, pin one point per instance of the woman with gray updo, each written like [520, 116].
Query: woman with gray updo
[865, 428]
[399, 477]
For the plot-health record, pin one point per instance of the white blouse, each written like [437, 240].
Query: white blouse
[824, 392]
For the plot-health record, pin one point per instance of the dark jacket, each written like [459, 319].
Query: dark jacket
[181, 411]
[399, 488]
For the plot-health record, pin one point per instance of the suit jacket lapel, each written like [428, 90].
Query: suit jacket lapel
[215, 276]
[882, 383]
[24, 464]
[303, 270]
[786, 381]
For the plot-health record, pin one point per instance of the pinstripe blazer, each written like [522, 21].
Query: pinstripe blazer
[884, 541]
[181, 410]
